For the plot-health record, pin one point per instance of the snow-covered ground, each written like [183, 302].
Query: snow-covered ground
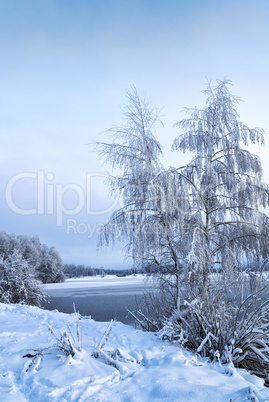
[147, 368]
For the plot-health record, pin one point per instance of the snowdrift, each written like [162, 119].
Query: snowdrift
[142, 367]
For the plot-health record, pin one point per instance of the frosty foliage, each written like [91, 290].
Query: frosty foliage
[69, 343]
[17, 281]
[197, 228]
[24, 261]
[225, 180]
[45, 261]
[50, 267]
[148, 220]
[135, 151]
[224, 332]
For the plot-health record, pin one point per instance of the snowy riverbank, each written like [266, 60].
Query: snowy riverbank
[147, 369]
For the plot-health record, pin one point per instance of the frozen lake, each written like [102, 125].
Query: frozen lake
[101, 298]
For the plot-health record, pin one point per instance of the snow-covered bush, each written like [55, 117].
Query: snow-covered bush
[221, 330]
[67, 342]
[17, 281]
[45, 262]
[156, 304]
[70, 347]
[49, 268]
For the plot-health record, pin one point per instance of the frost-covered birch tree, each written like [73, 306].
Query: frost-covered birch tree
[224, 187]
[134, 153]
[225, 198]
[147, 220]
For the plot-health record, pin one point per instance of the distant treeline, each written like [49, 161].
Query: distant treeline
[77, 271]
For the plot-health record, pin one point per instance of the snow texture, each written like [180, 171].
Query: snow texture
[146, 368]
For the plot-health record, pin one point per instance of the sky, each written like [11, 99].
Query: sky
[65, 66]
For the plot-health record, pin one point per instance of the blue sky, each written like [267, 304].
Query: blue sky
[65, 66]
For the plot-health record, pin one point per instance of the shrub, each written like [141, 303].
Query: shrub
[17, 281]
[219, 330]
